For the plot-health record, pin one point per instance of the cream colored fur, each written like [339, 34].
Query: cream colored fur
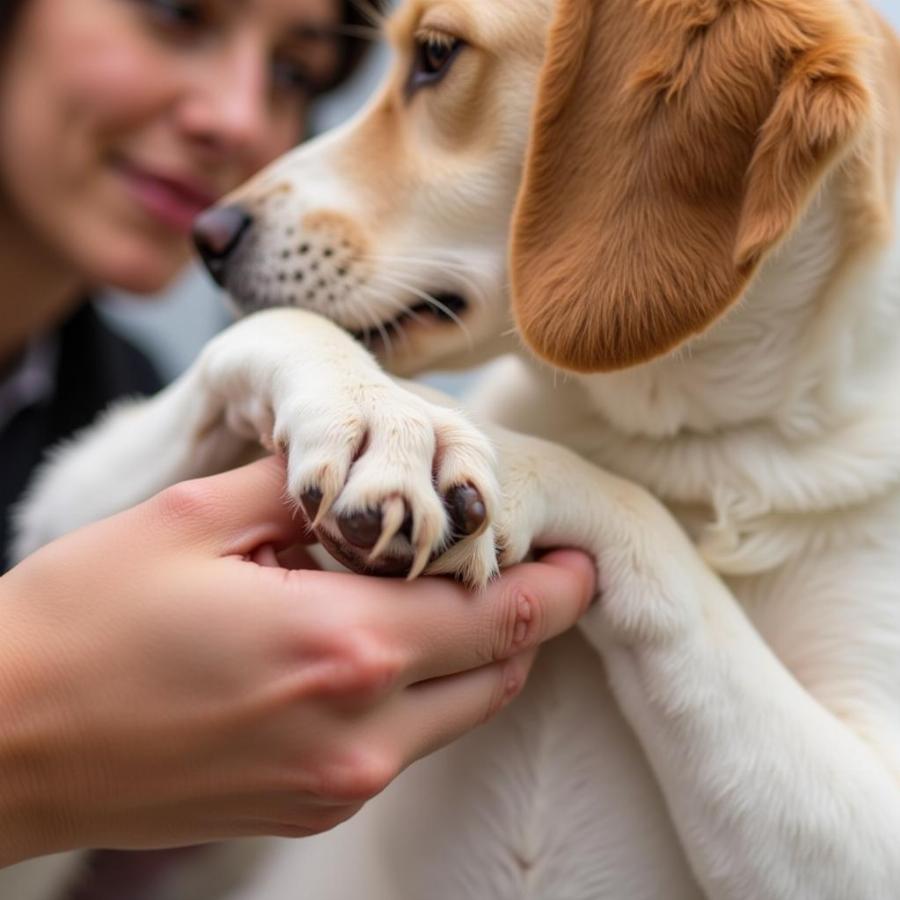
[727, 723]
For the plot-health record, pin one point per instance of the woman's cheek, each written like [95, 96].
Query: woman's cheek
[121, 90]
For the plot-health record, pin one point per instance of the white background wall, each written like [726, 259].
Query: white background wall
[180, 321]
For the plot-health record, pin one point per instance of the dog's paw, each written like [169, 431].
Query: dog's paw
[393, 484]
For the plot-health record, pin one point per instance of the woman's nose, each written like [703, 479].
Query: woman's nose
[229, 108]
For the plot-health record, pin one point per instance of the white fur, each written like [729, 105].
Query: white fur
[728, 725]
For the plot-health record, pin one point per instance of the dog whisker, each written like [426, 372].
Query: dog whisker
[394, 304]
[379, 326]
[433, 302]
[454, 271]
[450, 264]
[396, 326]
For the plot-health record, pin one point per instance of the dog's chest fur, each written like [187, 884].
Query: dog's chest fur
[781, 418]
[551, 799]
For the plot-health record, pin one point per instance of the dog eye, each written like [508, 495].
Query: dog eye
[434, 56]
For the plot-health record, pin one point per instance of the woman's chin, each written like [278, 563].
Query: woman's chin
[139, 271]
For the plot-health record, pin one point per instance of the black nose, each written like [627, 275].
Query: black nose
[216, 233]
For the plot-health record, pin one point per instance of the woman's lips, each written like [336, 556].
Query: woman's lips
[174, 202]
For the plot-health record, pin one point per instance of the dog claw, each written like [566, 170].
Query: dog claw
[393, 518]
[466, 509]
[317, 503]
[419, 564]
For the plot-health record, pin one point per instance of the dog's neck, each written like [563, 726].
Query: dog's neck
[804, 371]
[810, 346]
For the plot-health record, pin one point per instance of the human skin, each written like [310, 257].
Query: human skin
[223, 695]
[104, 104]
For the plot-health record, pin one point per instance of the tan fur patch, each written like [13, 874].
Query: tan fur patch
[674, 144]
[341, 228]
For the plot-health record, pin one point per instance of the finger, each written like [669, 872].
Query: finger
[292, 557]
[444, 628]
[235, 512]
[434, 713]
[265, 556]
[296, 556]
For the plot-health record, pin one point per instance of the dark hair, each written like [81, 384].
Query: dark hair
[8, 11]
[353, 48]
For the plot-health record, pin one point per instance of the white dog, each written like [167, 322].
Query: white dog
[690, 207]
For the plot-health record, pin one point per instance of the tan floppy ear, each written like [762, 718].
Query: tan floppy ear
[673, 144]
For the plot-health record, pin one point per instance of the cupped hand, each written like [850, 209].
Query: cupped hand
[166, 683]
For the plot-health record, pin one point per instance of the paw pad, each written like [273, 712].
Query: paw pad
[466, 509]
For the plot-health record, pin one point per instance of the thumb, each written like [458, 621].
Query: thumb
[235, 512]
[578, 564]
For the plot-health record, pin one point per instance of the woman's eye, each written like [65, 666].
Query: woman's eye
[291, 76]
[177, 13]
[434, 56]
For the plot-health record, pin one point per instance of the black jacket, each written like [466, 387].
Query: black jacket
[95, 366]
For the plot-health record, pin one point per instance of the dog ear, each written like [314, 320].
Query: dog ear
[673, 144]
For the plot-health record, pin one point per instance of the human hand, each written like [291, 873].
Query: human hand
[164, 683]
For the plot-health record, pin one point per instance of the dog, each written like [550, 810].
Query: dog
[672, 225]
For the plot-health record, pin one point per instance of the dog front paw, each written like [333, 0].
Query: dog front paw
[393, 484]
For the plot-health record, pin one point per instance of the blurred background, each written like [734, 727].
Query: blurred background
[172, 329]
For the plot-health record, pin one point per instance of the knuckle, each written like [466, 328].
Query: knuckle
[367, 779]
[328, 819]
[519, 620]
[357, 777]
[510, 682]
[364, 665]
[293, 830]
[312, 822]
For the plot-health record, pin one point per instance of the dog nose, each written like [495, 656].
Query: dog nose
[216, 233]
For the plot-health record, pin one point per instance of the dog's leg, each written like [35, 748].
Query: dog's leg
[135, 450]
[774, 792]
[210, 419]
[294, 382]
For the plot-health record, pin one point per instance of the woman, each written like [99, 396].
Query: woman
[119, 121]
[163, 680]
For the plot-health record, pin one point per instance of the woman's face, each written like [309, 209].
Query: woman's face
[121, 119]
